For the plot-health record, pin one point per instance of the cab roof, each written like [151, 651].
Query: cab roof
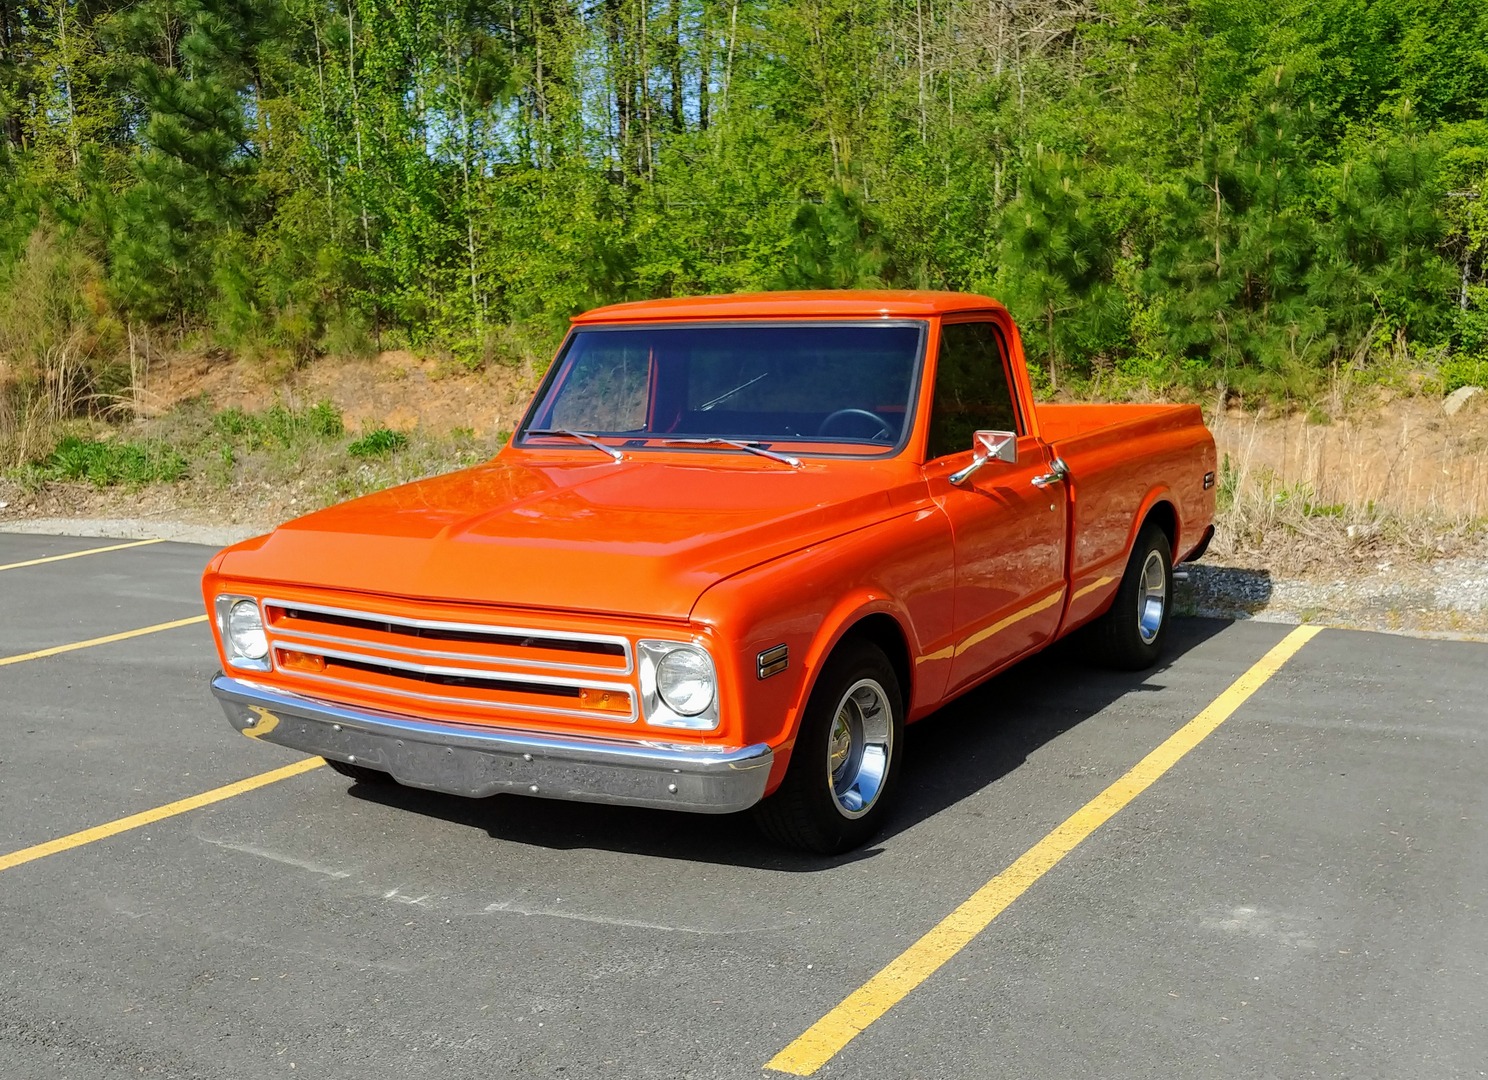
[811, 304]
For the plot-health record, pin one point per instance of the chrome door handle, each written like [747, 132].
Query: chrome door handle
[1059, 473]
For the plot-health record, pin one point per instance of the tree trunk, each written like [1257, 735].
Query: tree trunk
[674, 57]
[1053, 350]
[704, 67]
[14, 129]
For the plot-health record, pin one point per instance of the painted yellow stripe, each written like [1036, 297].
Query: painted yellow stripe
[1088, 589]
[160, 813]
[80, 554]
[126, 635]
[824, 1039]
[1016, 617]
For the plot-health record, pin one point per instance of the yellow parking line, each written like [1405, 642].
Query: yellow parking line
[824, 1039]
[80, 554]
[55, 649]
[148, 817]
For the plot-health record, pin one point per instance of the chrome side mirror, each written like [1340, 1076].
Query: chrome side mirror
[989, 446]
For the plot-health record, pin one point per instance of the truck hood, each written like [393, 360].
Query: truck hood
[641, 537]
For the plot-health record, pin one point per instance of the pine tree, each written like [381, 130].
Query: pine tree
[836, 244]
[193, 197]
[1057, 262]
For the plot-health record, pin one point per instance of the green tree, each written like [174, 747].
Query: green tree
[193, 195]
[1057, 266]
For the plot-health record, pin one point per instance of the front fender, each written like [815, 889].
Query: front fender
[809, 600]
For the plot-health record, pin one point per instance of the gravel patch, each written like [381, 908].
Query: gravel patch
[135, 529]
[1448, 596]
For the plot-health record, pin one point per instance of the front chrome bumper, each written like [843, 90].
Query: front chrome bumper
[477, 761]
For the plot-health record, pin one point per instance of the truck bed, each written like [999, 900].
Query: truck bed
[1121, 458]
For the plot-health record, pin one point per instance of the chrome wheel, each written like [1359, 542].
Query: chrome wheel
[843, 773]
[1152, 597]
[860, 746]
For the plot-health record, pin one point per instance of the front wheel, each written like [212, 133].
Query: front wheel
[1131, 634]
[845, 763]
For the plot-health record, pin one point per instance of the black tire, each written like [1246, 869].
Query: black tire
[812, 809]
[1124, 637]
[360, 773]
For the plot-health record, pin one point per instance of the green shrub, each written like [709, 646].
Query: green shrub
[107, 464]
[280, 426]
[1464, 371]
[380, 442]
[346, 335]
[324, 421]
[233, 422]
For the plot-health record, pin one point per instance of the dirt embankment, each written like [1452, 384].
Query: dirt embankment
[1376, 519]
[396, 389]
[1406, 457]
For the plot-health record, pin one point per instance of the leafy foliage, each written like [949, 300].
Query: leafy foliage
[1183, 193]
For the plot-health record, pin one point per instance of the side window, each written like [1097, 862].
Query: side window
[971, 388]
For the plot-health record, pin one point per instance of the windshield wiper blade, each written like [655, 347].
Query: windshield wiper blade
[737, 444]
[721, 398]
[581, 436]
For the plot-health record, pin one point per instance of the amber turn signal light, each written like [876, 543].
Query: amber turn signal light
[298, 661]
[610, 701]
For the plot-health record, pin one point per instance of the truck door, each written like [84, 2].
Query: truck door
[1009, 533]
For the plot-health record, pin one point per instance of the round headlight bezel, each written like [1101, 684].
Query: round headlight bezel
[699, 671]
[245, 631]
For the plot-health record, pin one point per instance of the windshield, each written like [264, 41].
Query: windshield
[849, 386]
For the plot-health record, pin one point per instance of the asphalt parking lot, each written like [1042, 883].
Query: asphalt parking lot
[1301, 894]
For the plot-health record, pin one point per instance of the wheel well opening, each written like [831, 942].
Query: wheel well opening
[1166, 519]
[883, 631]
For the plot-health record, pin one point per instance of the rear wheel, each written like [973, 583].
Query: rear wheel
[845, 763]
[360, 773]
[1130, 636]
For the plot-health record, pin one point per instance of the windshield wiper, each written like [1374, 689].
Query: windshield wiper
[752, 447]
[721, 398]
[581, 436]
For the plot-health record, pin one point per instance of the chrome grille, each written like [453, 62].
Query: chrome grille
[466, 666]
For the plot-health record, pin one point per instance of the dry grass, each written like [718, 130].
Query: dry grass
[1402, 480]
[58, 342]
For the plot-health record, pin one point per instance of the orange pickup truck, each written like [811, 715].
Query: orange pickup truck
[735, 545]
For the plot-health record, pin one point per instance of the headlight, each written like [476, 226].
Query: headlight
[241, 625]
[678, 685]
[684, 679]
[245, 628]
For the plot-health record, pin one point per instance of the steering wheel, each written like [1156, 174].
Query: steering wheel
[879, 422]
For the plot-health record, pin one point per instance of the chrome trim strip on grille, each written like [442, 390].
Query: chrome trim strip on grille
[468, 628]
[302, 641]
[470, 673]
[497, 706]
